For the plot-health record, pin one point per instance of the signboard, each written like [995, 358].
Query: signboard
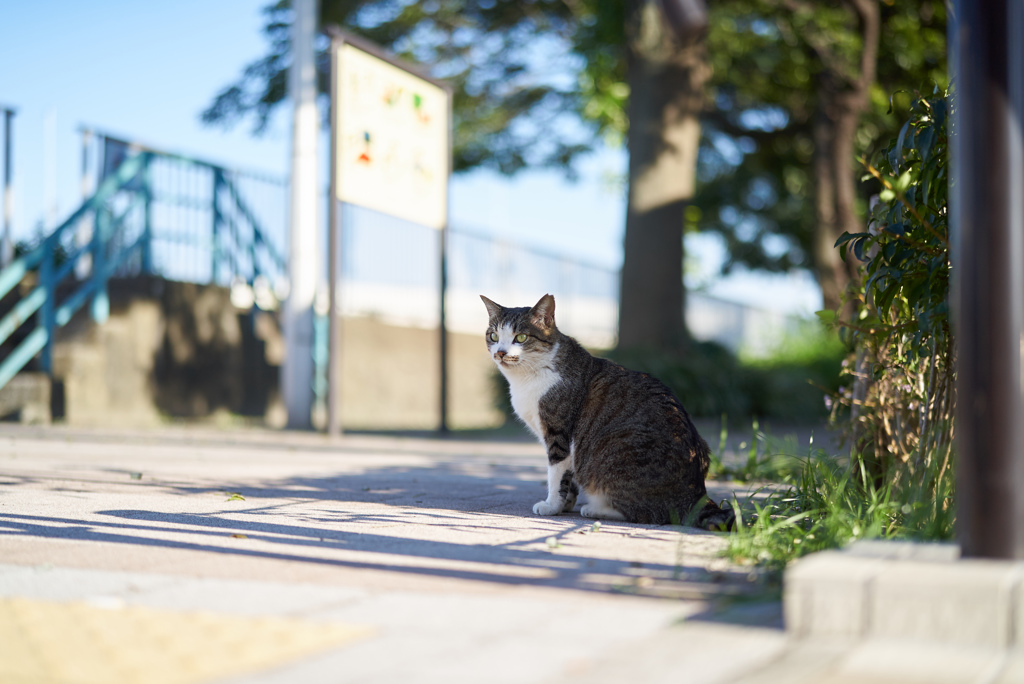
[391, 152]
[392, 139]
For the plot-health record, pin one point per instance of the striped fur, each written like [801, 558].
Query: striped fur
[620, 437]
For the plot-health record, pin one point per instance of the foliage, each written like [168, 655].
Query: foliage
[541, 83]
[771, 59]
[534, 84]
[793, 380]
[898, 482]
[789, 384]
[706, 377]
[903, 368]
[525, 74]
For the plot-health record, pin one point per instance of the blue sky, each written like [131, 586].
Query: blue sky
[146, 70]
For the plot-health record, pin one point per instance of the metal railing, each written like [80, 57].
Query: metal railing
[154, 214]
[390, 271]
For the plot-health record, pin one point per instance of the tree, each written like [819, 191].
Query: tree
[797, 90]
[525, 76]
[514, 83]
[666, 86]
[801, 89]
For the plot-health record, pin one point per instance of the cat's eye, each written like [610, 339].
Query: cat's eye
[494, 337]
[520, 338]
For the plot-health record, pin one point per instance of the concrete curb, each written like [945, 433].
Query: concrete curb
[908, 592]
[900, 612]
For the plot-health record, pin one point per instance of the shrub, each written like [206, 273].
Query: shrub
[898, 480]
[903, 391]
[790, 384]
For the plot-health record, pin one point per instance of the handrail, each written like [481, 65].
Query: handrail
[258, 237]
[178, 156]
[119, 233]
[20, 267]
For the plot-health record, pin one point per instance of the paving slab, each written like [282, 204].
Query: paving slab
[419, 557]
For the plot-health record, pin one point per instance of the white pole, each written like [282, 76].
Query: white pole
[6, 241]
[50, 170]
[303, 265]
[83, 267]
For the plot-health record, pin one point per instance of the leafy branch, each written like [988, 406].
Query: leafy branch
[895, 189]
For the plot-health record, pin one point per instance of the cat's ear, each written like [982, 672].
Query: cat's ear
[542, 314]
[492, 309]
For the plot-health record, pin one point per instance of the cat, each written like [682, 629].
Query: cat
[618, 435]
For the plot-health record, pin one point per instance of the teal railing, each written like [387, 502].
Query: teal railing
[155, 214]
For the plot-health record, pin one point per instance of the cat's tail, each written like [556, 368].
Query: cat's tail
[716, 518]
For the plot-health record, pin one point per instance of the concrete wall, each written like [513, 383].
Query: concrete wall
[391, 378]
[183, 351]
[168, 350]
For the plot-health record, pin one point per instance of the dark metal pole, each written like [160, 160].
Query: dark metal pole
[333, 230]
[987, 213]
[443, 425]
[6, 244]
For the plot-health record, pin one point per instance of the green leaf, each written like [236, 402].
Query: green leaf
[903, 182]
[858, 249]
[896, 152]
[846, 237]
[939, 111]
[925, 140]
[885, 297]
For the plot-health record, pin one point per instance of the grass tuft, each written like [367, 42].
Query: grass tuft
[829, 502]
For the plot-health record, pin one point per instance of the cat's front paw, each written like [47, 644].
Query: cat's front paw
[545, 508]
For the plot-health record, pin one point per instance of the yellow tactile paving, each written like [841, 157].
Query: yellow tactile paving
[43, 642]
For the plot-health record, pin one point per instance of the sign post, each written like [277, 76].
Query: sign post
[390, 152]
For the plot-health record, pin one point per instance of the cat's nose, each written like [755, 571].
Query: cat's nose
[500, 354]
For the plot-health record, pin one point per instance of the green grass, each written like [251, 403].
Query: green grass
[767, 458]
[827, 502]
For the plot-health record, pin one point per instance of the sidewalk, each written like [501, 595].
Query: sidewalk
[188, 555]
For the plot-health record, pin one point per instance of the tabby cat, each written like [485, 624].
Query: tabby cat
[619, 435]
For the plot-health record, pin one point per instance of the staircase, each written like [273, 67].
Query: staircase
[155, 216]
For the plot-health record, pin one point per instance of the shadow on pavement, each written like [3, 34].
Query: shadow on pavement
[311, 519]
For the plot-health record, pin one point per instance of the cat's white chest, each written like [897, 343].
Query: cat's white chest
[526, 392]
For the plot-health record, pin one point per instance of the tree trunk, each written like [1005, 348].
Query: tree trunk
[841, 100]
[666, 95]
[835, 193]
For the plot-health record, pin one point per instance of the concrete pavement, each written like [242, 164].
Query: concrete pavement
[368, 559]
